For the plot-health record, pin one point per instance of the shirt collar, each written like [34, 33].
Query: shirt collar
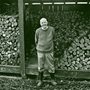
[45, 28]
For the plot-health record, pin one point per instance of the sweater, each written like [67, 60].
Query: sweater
[44, 39]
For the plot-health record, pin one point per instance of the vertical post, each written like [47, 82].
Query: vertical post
[62, 7]
[42, 5]
[53, 5]
[58, 8]
[21, 38]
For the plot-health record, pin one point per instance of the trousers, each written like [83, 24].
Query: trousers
[46, 61]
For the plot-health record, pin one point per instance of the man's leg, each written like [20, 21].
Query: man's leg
[51, 67]
[40, 79]
[40, 67]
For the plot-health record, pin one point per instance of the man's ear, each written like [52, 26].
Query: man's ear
[40, 24]
[47, 22]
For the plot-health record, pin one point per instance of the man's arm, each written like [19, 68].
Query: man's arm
[53, 33]
[36, 37]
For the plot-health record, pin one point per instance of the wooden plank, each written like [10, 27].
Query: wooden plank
[32, 69]
[77, 74]
[21, 29]
[9, 69]
[10, 77]
[27, 1]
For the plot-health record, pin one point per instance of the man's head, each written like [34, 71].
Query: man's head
[43, 22]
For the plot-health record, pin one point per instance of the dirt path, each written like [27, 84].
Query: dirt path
[30, 84]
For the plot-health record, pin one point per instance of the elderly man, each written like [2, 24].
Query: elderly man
[44, 37]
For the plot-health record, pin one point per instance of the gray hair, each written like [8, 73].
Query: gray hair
[43, 19]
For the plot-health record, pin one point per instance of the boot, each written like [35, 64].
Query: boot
[40, 79]
[53, 79]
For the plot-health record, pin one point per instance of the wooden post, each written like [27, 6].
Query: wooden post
[42, 4]
[53, 6]
[21, 38]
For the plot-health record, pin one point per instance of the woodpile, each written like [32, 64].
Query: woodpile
[72, 41]
[77, 57]
[9, 42]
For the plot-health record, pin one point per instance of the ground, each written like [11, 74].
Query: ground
[30, 84]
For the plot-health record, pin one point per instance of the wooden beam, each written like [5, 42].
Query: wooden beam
[21, 38]
[74, 74]
[10, 69]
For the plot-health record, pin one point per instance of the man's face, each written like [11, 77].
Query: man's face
[43, 22]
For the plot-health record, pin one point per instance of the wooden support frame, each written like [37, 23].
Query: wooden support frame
[71, 74]
[10, 69]
[32, 69]
[21, 29]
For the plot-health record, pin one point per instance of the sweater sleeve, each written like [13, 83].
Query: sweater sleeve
[53, 33]
[36, 37]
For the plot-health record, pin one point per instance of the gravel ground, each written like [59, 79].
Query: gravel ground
[30, 84]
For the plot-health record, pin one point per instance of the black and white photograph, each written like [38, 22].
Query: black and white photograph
[44, 44]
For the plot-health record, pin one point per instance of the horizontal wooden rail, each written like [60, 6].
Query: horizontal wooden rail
[77, 74]
[9, 69]
[32, 70]
[54, 3]
[49, 1]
